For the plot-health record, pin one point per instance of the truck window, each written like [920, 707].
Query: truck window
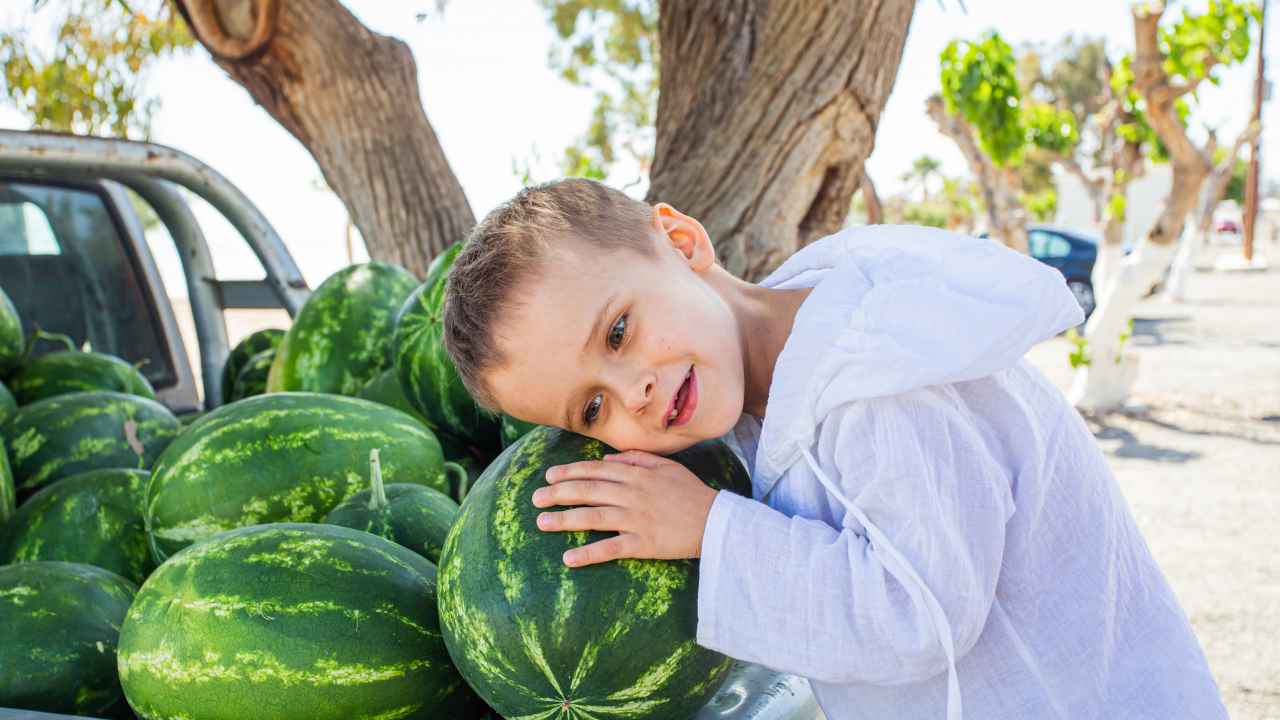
[65, 265]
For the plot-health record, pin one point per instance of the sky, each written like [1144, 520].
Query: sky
[493, 101]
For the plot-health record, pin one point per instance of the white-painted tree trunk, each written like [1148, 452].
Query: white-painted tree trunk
[1105, 383]
[1109, 258]
[1184, 263]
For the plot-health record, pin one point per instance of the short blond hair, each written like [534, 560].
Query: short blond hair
[510, 243]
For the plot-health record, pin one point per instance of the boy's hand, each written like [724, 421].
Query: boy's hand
[658, 508]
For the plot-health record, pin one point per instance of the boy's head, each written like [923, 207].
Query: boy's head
[576, 306]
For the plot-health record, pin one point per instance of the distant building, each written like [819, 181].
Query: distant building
[1144, 198]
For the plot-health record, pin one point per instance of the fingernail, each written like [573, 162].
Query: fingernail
[543, 520]
[539, 495]
[570, 557]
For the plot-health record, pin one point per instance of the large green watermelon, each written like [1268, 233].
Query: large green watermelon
[537, 639]
[386, 389]
[69, 371]
[413, 516]
[69, 434]
[59, 623]
[252, 379]
[12, 341]
[280, 457]
[93, 518]
[341, 337]
[289, 621]
[240, 355]
[427, 374]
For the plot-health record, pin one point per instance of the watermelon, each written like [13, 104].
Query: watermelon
[60, 622]
[252, 379]
[8, 405]
[280, 457]
[385, 389]
[12, 340]
[539, 640]
[8, 495]
[69, 371]
[412, 516]
[93, 518]
[289, 621]
[68, 434]
[427, 373]
[513, 429]
[341, 337]
[241, 354]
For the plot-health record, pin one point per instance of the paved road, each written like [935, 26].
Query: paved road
[1199, 462]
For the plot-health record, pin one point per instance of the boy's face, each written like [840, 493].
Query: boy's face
[608, 344]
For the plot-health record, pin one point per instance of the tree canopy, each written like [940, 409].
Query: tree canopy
[92, 80]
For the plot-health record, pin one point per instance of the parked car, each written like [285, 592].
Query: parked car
[73, 258]
[1228, 226]
[1072, 252]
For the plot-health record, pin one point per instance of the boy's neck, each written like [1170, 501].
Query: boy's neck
[765, 318]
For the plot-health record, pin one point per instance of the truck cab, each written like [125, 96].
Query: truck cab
[75, 259]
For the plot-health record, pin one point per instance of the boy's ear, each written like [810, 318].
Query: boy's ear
[686, 235]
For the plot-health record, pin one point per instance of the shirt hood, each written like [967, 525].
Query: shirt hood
[895, 308]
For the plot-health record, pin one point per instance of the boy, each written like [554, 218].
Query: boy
[933, 523]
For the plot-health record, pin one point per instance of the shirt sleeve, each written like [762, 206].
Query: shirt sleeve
[804, 597]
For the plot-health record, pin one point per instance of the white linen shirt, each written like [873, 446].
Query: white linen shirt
[935, 529]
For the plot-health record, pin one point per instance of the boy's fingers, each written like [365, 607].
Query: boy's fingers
[619, 546]
[638, 458]
[579, 492]
[583, 518]
[590, 470]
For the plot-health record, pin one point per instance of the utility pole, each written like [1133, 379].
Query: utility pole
[1251, 182]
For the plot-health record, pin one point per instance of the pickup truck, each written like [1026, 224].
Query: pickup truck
[74, 258]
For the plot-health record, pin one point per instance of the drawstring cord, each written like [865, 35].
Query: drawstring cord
[902, 570]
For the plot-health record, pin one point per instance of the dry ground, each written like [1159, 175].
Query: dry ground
[1198, 458]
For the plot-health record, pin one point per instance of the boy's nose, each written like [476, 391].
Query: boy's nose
[642, 394]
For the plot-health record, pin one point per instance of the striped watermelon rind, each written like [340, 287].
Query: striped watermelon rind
[341, 338]
[513, 429]
[539, 640]
[12, 339]
[285, 621]
[93, 518]
[60, 622]
[252, 378]
[8, 494]
[70, 371]
[240, 355]
[69, 434]
[280, 457]
[428, 376]
[8, 404]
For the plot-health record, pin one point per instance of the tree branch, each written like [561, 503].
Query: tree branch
[206, 19]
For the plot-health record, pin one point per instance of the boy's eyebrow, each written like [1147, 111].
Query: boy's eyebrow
[595, 327]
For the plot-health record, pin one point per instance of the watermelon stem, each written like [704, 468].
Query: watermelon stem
[378, 494]
[460, 480]
[37, 335]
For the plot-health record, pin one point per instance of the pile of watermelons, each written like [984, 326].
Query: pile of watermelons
[300, 552]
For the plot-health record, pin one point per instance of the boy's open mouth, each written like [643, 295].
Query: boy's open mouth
[685, 401]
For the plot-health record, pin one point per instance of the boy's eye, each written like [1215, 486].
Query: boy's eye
[618, 332]
[592, 410]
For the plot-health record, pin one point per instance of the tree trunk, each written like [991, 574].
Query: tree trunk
[1215, 189]
[1108, 379]
[871, 198]
[350, 96]
[1005, 214]
[766, 113]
